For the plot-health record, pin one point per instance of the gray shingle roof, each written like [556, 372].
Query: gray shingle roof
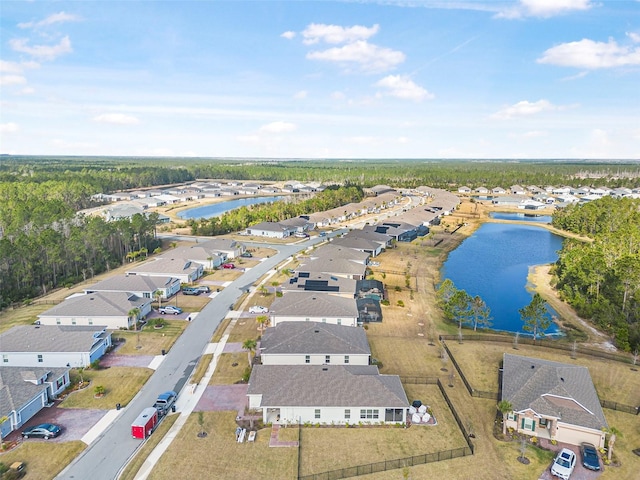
[552, 389]
[165, 265]
[326, 386]
[51, 338]
[131, 283]
[17, 385]
[334, 252]
[314, 337]
[344, 285]
[99, 304]
[314, 304]
[338, 266]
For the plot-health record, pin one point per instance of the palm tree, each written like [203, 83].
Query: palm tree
[158, 296]
[250, 345]
[133, 314]
[262, 320]
[613, 434]
[504, 406]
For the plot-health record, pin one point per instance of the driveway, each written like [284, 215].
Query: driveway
[75, 422]
[579, 473]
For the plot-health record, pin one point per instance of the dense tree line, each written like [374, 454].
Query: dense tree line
[67, 251]
[243, 217]
[601, 279]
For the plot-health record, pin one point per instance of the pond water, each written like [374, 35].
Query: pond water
[529, 217]
[494, 263]
[215, 209]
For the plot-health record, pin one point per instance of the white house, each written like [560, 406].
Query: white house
[24, 391]
[295, 394]
[181, 268]
[320, 282]
[312, 343]
[111, 309]
[314, 307]
[142, 286]
[53, 345]
[271, 230]
[552, 400]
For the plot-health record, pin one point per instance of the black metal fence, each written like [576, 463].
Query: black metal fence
[620, 407]
[389, 465]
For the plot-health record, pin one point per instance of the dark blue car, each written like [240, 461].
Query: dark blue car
[590, 458]
[44, 430]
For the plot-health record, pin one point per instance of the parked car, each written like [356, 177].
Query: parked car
[44, 430]
[590, 457]
[258, 309]
[246, 255]
[191, 291]
[165, 401]
[170, 309]
[323, 234]
[228, 265]
[564, 464]
[203, 289]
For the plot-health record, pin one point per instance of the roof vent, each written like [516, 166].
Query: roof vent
[562, 379]
[532, 367]
[316, 331]
[325, 369]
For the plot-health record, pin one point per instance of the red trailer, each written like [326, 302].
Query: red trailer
[145, 423]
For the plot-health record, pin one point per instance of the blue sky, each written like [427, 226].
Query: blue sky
[326, 79]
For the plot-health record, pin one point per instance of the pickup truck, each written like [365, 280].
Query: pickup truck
[164, 402]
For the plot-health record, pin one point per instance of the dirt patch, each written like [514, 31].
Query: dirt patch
[223, 397]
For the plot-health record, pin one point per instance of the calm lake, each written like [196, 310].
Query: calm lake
[494, 263]
[527, 217]
[215, 209]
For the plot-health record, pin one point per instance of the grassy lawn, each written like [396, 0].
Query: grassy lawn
[226, 373]
[132, 468]
[201, 367]
[244, 329]
[479, 361]
[151, 340]
[193, 457]
[21, 316]
[121, 385]
[217, 335]
[44, 460]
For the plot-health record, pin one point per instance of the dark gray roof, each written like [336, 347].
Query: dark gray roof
[314, 337]
[314, 304]
[357, 243]
[337, 266]
[320, 282]
[131, 283]
[326, 386]
[99, 304]
[334, 252]
[165, 264]
[17, 385]
[552, 389]
[51, 338]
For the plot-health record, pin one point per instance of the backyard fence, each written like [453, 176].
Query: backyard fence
[620, 407]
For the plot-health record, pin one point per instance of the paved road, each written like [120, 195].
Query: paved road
[104, 458]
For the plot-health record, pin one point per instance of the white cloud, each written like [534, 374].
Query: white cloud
[248, 138]
[278, 127]
[334, 34]
[27, 91]
[301, 95]
[370, 58]
[59, 17]
[338, 95]
[400, 86]
[634, 37]
[535, 134]
[45, 52]
[9, 127]
[6, 80]
[544, 8]
[15, 67]
[525, 109]
[288, 35]
[116, 119]
[590, 54]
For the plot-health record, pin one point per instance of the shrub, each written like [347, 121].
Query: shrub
[400, 303]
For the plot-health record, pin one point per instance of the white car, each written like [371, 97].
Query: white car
[258, 309]
[170, 309]
[564, 464]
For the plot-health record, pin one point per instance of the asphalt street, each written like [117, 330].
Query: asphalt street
[105, 457]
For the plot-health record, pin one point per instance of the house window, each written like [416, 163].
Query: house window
[542, 422]
[57, 321]
[59, 383]
[307, 359]
[73, 321]
[393, 415]
[347, 414]
[528, 424]
[346, 359]
[368, 413]
[91, 321]
[40, 359]
[339, 321]
[5, 358]
[317, 413]
[327, 359]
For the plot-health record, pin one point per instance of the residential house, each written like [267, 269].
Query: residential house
[181, 268]
[498, 191]
[482, 190]
[360, 244]
[270, 230]
[326, 394]
[552, 400]
[24, 391]
[53, 345]
[339, 267]
[312, 343]
[464, 190]
[111, 309]
[141, 286]
[517, 190]
[199, 253]
[320, 282]
[226, 246]
[314, 307]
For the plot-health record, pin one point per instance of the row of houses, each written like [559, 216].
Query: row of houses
[592, 192]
